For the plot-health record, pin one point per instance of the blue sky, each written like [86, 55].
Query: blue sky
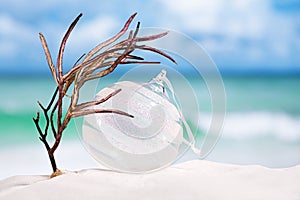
[240, 35]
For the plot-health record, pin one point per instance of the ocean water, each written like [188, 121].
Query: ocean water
[262, 124]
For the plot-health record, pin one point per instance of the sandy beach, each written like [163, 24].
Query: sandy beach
[219, 76]
[189, 180]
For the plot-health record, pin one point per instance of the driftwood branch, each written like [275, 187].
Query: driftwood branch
[100, 61]
[94, 111]
[63, 44]
[48, 57]
[43, 135]
[97, 102]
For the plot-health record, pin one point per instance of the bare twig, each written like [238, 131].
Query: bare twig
[54, 131]
[48, 57]
[43, 136]
[147, 48]
[140, 62]
[97, 102]
[94, 111]
[111, 40]
[151, 37]
[63, 44]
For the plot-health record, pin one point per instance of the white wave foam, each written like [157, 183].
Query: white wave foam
[257, 124]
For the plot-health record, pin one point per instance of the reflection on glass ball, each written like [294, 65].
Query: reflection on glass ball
[149, 141]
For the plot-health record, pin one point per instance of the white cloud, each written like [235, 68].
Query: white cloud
[13, 35]
[252, 29]
[232, 31]
[19, 40]
[233, 18]
[35, 6]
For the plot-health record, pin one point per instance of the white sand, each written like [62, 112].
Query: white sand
[189, 180]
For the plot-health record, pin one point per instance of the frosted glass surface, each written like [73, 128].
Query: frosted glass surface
[148, 141]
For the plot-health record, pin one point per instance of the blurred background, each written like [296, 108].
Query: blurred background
[255, 45]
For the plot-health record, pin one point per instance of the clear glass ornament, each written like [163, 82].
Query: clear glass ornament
[151, 140]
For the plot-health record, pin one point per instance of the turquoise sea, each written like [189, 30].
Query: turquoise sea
[262, 120]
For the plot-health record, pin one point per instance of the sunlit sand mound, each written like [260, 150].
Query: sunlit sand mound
[189, 180]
